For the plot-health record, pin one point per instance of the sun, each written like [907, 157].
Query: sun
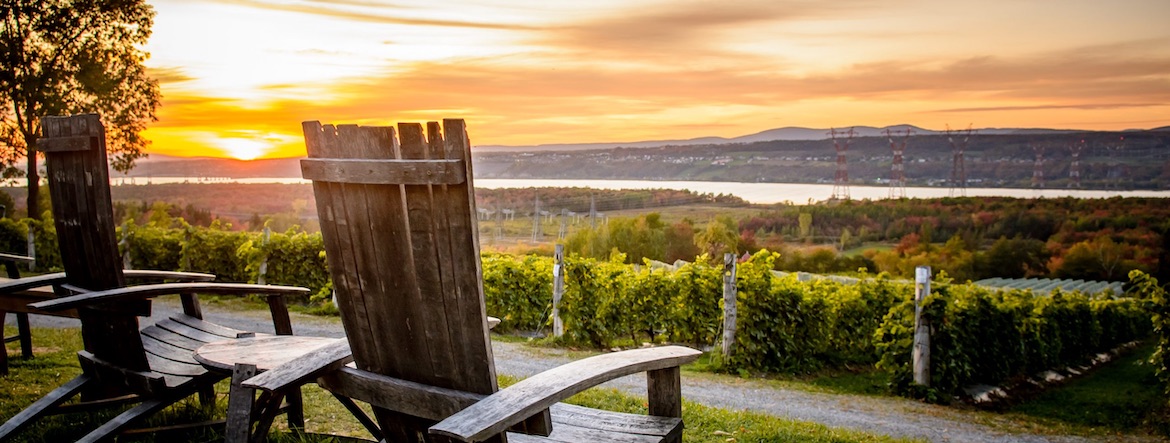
[243, 148]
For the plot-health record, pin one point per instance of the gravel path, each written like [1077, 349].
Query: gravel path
[881, 415]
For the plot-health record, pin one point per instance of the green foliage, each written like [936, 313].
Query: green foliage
[518, 291]
[591, 310]
[778, 327]
[720, 236]
[216, 250]
[153, 247]
[988, 337]
[290, 258]
[696, 308]
[1147, 288]
[45, 243]
[13, 237]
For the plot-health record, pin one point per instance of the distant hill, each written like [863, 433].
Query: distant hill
[1002, 156]
[790, 133]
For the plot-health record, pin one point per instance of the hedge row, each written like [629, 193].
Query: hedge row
[981, 336]
[784, 325]
[293, 258]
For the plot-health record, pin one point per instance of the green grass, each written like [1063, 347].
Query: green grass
[1121, 396]
[55, 362]
[859, 250]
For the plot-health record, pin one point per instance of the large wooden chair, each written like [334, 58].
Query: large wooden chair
[153, 366]
[398, 218]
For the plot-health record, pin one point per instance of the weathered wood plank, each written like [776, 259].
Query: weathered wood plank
[416, 399]
[564, 413]
[265, 352]
[459, 208]
[43, 406]
[170, 367]
[664, 389]
[113, 375]
[383, 172]
[320, 142]
[499, 411]
[172, 338]
[568, 433]
[17, 259]
[79, 182]
[166, 350]
[147, 291]
[435, 403]
[433, 317]
[241, 401]
[187, 331]
[206, 326]
[398, 326]
[304, 368]
[65, 144]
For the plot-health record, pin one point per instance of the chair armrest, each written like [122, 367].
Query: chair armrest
[16, 259]
[497, 412]
[25, 283]
[304, 368]
[168, 275]
[148, 291]
[58, 278]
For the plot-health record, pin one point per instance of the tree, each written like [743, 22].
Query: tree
[719, 237]
[62, 57]
[805, 220]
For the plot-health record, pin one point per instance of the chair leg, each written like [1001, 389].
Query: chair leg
[296, 408]
[42, 407]
[25, 334]
[207, 396]
[269, 408]
[3, 347]
[361, 416]
[124, 419]
[241, 402]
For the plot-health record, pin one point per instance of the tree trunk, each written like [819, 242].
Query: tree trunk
[34, 182]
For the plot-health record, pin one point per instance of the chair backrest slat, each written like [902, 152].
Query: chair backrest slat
[405, 257]
[79, 184]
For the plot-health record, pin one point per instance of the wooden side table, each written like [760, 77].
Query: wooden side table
[246, 357]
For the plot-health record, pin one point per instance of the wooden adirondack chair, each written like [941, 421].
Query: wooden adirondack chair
[153, 366]
[10, 304]
[401, 239]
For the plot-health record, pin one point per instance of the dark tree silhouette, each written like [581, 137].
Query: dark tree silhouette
[62, 57]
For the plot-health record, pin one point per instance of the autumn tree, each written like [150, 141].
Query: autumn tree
[62, 57]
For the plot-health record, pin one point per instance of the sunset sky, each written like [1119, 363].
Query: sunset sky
[238, 76]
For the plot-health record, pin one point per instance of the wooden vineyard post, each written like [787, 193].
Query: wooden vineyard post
[729, 292]
[558, 290]
[125, 245]
[921, 352]
[261, 275]
[32, 249]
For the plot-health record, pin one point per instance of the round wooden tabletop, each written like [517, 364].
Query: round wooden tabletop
[264, 351]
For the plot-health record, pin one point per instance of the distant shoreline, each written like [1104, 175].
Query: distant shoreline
[757, 193]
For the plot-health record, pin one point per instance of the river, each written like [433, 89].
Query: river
[761, 193]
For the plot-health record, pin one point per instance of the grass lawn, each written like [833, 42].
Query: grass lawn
[55, 362]
[1122, 396]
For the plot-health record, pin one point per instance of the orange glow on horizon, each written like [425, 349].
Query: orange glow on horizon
[524, 72]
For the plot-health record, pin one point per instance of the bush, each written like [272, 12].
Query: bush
[984, 336]
[518, 290]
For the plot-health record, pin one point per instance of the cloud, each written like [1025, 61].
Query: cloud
[683, 31]
[544, 97]
[169, 75]
[1085, 106]
[373, 12]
